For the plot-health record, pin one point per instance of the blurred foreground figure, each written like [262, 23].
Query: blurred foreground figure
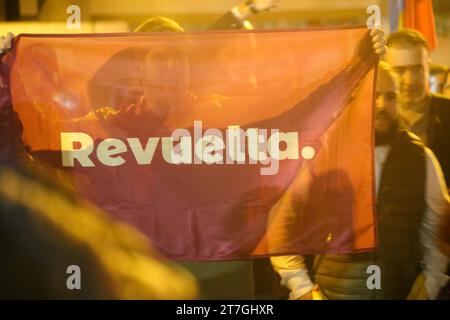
[45, 229]
[412, 204]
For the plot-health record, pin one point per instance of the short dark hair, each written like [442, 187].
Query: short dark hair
[407, 37]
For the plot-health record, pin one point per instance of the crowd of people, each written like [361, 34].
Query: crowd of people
[412, 172]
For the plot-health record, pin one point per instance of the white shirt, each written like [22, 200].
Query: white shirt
[292, 269]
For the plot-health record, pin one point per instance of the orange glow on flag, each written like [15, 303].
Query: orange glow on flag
[418, 15]
[216, 145]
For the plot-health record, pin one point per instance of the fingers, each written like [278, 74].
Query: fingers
[378, 37]
[2, 44]
[378, 41]
[6, 42]
[378, 45]
[9, 40]
[381, 50]
[375, 31]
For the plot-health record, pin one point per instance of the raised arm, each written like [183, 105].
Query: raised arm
[336, 93]
[237, 17]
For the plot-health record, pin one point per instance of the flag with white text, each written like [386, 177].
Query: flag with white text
[215, 145]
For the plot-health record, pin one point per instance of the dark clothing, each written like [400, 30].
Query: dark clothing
[401, 204]
[439, 132]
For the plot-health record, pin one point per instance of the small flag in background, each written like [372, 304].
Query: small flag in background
[414, 14]
[396, 14]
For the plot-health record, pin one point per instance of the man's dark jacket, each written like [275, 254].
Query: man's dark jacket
[439, 132]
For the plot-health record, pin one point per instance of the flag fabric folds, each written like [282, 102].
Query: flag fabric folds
[216, 146]
[414, 14]
[419, 15]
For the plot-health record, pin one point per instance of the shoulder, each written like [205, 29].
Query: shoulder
[429, 154]
[408, 146]
[434, 170]
[439, 98]
[410, 138]
[440, 103]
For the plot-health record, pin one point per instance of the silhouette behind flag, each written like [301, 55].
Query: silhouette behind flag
[224, 134]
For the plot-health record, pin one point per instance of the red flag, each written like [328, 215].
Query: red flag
[223, 145]
[418, 14]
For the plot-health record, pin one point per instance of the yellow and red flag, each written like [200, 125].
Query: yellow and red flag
[414, 14]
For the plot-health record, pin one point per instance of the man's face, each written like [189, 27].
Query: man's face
[385, 104]
[410, 67]
[437, 82]
[166, 77]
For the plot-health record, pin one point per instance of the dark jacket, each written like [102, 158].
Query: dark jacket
[439, 132]
[400, 207]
